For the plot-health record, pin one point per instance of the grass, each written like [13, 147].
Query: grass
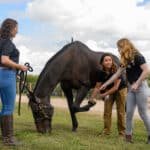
[62, 138]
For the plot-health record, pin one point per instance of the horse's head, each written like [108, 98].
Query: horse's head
[42, 112]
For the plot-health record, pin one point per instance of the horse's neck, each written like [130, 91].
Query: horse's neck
[49, 78]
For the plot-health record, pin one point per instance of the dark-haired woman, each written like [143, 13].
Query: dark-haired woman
[9, 58]
[117, 91]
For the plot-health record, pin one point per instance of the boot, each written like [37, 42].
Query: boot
[0, 128]
[129, 138]
[105, 132]
[148, 140]
[7, 131]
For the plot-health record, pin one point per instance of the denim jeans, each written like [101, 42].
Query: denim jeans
[7, 91]
[138, 98]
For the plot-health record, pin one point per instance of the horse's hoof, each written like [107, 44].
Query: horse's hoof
[74, 129]
[91, 103]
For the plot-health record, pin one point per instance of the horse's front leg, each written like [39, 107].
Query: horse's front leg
[68, 93]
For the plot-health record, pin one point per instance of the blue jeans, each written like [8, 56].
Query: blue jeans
[138, 98]
[7, 91]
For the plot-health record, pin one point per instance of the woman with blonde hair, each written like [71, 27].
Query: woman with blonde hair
[136, 71]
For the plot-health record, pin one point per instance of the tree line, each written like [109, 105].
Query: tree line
[32, 79]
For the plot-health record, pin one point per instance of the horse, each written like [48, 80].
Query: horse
[74, 67]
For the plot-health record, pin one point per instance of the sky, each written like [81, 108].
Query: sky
[45, 26]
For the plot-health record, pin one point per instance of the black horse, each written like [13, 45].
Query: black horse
[75, 67]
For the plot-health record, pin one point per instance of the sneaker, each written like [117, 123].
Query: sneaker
[105, 133]
[129, 138]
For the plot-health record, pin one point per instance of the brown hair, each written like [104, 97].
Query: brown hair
[114, 65]
[126, 50]
[6, 27]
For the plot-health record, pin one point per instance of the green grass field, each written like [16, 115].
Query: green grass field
[62, 138]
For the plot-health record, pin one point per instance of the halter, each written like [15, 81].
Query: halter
[22, 76]
[40, 108]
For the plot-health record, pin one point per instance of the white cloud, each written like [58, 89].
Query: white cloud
[120, 17]
[93, 45]
[101, 46]
[98, 19]
[37, 59]
[97, 23]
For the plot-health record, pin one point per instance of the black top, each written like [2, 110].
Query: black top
[133, 70]
[7, 48]
[103, 77]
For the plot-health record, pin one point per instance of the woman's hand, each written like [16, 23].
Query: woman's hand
[23, 68]
[134, 87]
[102, 95]
[102, 87]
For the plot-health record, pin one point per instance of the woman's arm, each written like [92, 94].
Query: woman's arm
[143, 75]
[113, 89]
[113, 78]
[95, 91]
[8, 62]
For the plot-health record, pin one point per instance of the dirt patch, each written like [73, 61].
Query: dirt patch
[97, 109]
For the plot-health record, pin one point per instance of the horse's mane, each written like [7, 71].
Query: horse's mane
[66, 47]
[58, 53]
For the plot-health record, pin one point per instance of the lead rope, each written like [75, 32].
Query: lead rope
[22, 76]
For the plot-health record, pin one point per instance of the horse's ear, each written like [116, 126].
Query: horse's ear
[31, 96]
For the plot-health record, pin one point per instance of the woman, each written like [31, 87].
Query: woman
[136, 70]
[116, 91]
[9, 58]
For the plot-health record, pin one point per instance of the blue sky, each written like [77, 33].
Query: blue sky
[46, 26]
[143, 2]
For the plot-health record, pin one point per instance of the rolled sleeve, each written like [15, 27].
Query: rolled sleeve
[140, 60]
[7, 48]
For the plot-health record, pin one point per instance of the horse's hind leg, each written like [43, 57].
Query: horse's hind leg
[68, 93]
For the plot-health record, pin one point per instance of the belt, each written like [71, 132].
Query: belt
[5, 68]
